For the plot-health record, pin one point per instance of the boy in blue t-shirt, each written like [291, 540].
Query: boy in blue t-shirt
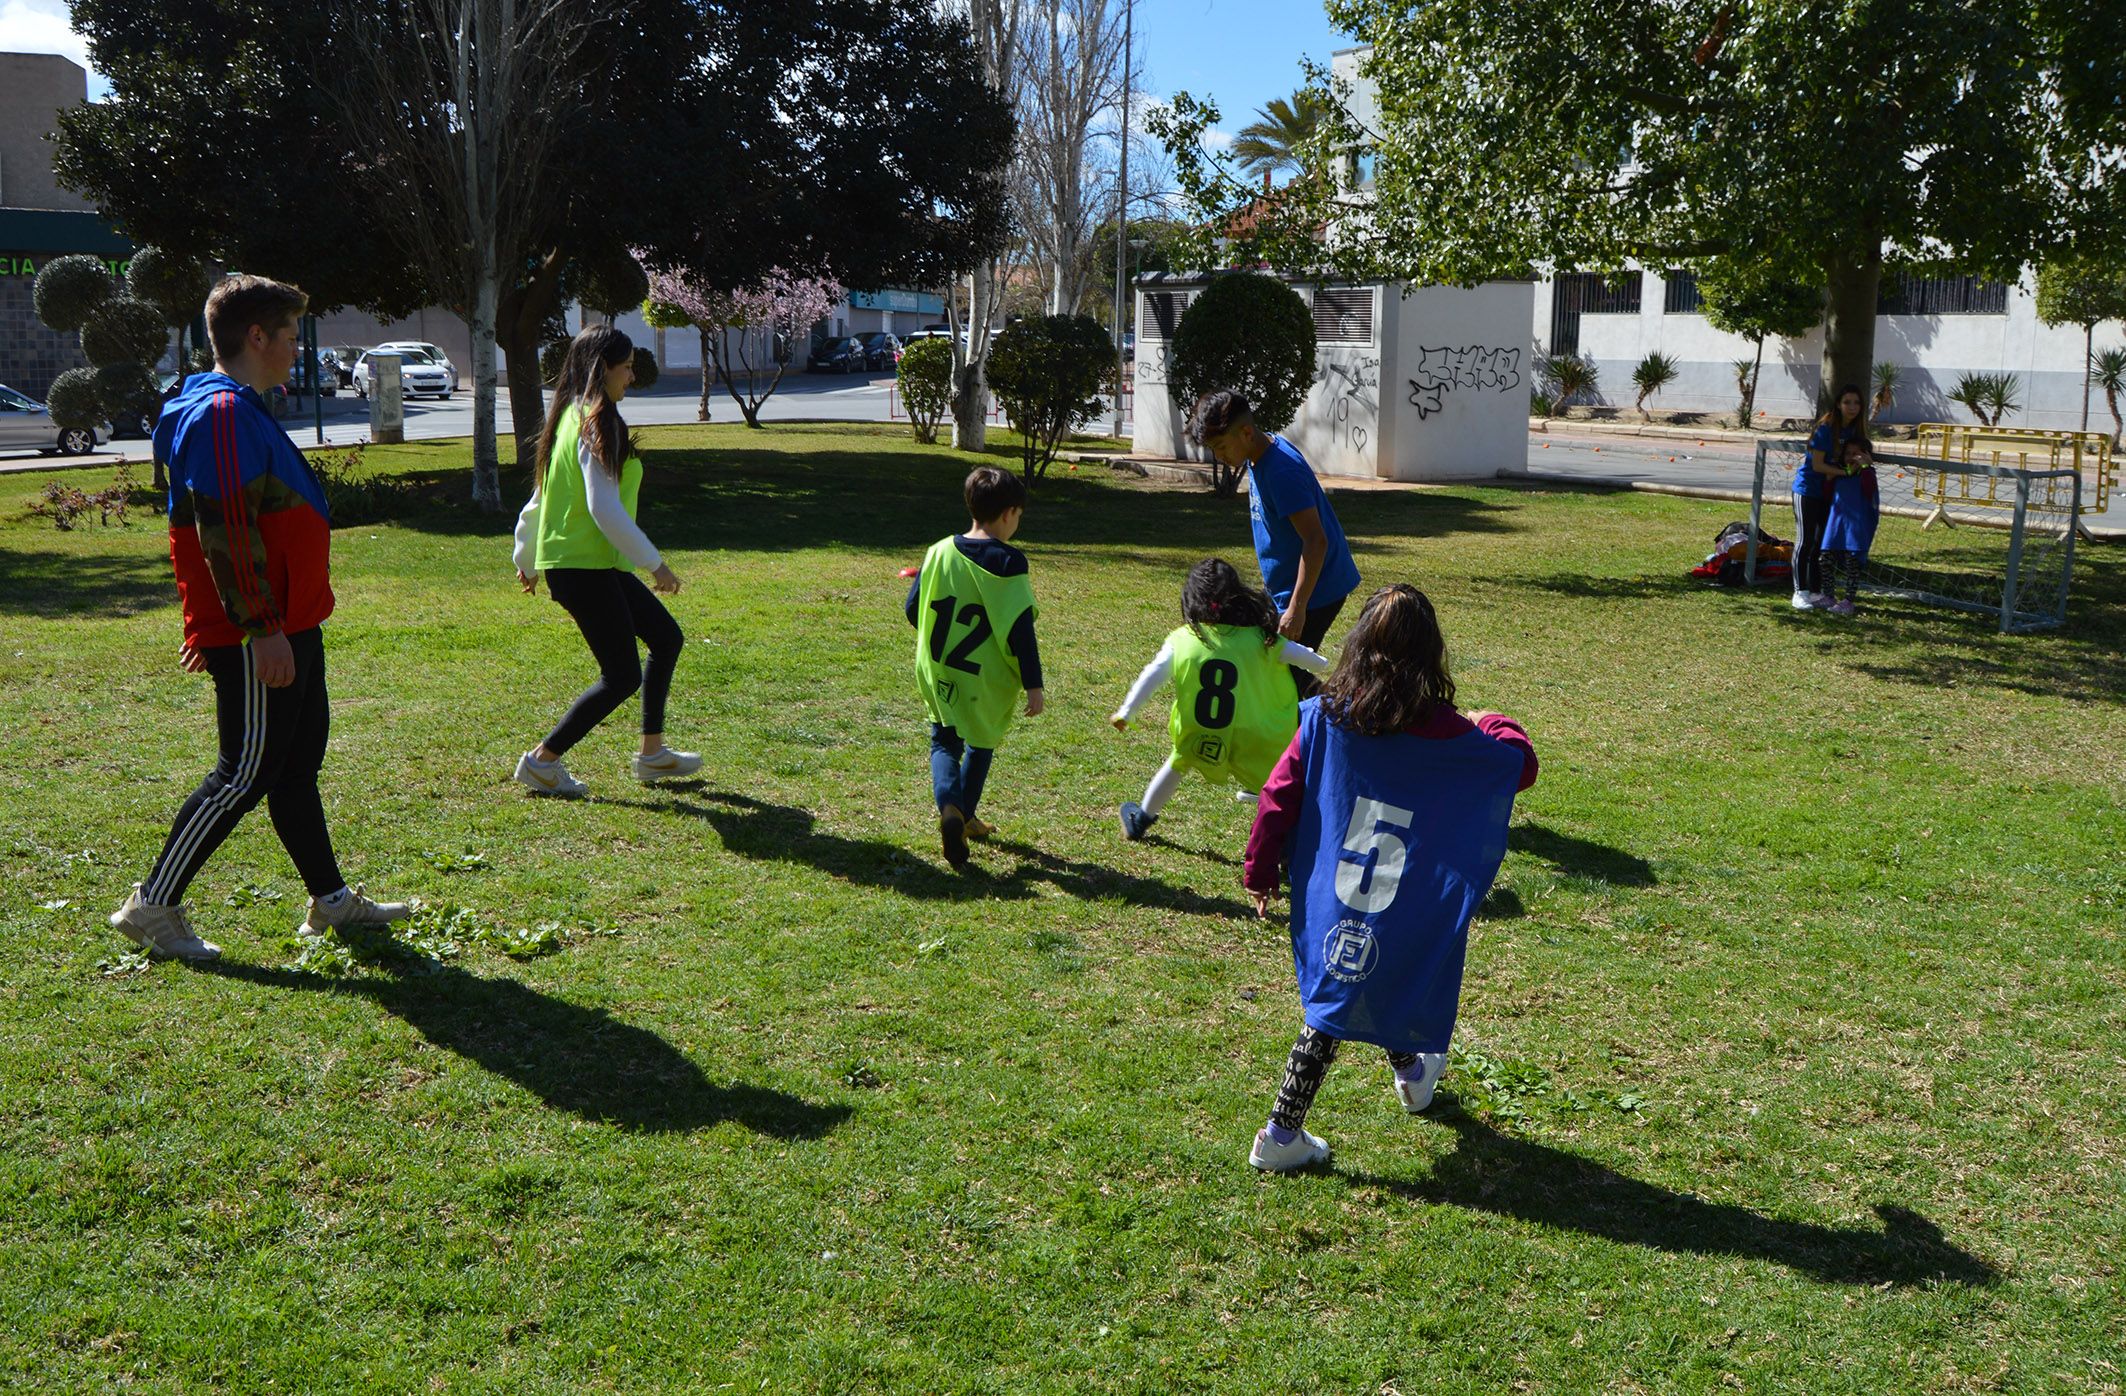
[1306, 564]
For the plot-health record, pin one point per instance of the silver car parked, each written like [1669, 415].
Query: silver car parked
[26, 425]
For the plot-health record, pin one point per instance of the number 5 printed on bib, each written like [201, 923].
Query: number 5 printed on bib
[1371, 889]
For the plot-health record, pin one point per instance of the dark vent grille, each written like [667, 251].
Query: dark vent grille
[1343, 316]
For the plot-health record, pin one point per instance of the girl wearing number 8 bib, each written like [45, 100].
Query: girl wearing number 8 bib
[1236, 704]
[1389, 810]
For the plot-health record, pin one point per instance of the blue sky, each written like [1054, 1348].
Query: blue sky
[1239, 52]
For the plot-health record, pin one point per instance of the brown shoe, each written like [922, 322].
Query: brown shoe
[978, 831]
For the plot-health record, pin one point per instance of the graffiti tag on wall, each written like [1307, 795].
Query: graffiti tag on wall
[1356, 406]
[1442, 370]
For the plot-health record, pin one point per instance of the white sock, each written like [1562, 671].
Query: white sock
[334, 899]
[1162, 788]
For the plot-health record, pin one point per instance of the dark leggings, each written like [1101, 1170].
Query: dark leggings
[1312, 1055]
[272, 744]
[1811, 513]
[1312, 631]
[1844, 565]
[613, 608]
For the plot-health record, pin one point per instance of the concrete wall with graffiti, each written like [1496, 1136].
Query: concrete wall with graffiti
[1429, 386]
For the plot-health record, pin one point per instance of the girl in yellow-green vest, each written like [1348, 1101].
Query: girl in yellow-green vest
[1236, 702]
[580, 530]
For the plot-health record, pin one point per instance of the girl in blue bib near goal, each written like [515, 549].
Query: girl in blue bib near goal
[1236, 703]
[1389, 810]
[1848, 534]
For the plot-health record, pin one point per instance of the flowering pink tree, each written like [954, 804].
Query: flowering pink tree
[770, 319]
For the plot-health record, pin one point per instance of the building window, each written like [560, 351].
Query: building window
[1941, 295]
[1161, 313]
[1358, 168]
[1588, 293]
[1679, 293]
[1343, 316]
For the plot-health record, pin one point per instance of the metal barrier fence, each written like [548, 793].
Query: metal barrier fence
[2047, 452]
[2022, 580]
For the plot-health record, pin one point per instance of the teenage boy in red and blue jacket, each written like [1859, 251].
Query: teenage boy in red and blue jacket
[250, 541]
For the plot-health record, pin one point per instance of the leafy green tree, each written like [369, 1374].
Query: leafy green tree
[176, 285]
[2082, 291]
[68, 290]
[1820, 140]
[925, 375]
[1757, 300]
[1046, 372]
[1278, 140]
[1251, 333]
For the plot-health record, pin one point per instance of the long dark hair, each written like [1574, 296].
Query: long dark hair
[595, 351]
[1392, 673]
[1214, 594]
[1835, 419]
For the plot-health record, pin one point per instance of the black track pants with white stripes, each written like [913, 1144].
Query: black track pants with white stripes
[272, 745]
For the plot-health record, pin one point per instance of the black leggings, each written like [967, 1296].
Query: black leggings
[1312, 631]
[272, 745]
[1312, 1055]
[1811, 513]
[613, 608]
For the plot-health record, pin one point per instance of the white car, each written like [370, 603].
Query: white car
[26, 425]
[419, 373]
[401, 346]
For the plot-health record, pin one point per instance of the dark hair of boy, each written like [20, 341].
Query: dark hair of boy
[1392, 673]
[1214, 594]
[992, 493]
[1217, 413]
[238, 302]
[595, 351]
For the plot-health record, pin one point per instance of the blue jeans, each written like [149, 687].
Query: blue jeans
[957, 770]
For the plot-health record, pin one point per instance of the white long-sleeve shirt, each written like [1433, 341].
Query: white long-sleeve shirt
[608, 511]
[1161, 670]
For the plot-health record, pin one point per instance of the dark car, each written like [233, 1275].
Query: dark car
[881, 350]
[843, 355]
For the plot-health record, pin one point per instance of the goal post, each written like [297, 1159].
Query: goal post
[2015, 565]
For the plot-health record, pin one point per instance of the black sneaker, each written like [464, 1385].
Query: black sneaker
[952, 832]
[1135, 821]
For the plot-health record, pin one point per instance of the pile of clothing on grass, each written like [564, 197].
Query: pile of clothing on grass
[1723, 566]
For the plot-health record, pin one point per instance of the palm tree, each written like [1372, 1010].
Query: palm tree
[2110, 375]
[1274, 142]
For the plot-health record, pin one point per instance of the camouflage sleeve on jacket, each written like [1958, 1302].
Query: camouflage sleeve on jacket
[235, 553]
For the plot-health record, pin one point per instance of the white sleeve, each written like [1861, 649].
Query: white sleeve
[1300, 657]
[611, 516]
[527, 522]
[1155, 673]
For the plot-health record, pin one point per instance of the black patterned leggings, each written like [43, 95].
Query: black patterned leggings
[1311, 1058]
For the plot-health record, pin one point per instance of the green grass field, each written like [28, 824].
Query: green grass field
[1790, 1056]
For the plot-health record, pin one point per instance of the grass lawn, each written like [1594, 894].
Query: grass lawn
[1790, 1056]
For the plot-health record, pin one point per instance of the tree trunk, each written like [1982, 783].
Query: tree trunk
[2088, 354]
[486, 485]
[970, 419]
[524, 309]
[1749, 401]
[705, 372]
[1852, 288]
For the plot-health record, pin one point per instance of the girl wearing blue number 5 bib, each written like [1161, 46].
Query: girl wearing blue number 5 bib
[1389, 810]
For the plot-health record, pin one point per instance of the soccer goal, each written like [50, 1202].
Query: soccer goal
[1972, 535]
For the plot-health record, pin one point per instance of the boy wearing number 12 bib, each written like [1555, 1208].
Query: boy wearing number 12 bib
[1390, 811]
[1235, 701]
[973, 613]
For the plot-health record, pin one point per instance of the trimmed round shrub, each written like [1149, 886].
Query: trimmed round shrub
[1251, 333]
[612, 284]
[645, 368]
[69, 290]
[925, 373]
[175, 285]
[74, 400]
[124, 330]
[127, 391]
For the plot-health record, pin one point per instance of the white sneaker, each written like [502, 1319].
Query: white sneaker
[1804, 601]
[1304, 1151]
[1247, 797]
[548, 777]
[664, 765]
[1416, 1093]
[353, 910]
[165, 931]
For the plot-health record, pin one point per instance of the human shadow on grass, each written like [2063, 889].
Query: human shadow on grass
[1497, 1173]
[1577, 857]
[765, 832]
[58, 585]
[581, 1060]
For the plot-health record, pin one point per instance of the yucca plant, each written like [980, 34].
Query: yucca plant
[1655, 372]
[1570, 376]
[1886, 376]
[1989, 396]
[2107, 370]
[1746, 390]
